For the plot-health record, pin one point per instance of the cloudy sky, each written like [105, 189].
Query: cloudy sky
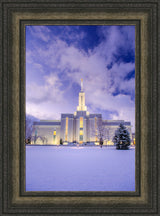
[57, 57]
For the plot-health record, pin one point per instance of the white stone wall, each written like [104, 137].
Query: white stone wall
[47, 132]
[63, 126]
[70, 137]
[91, 130]
[77, 123]
[70, 130]
[74, 131]
[84, 129]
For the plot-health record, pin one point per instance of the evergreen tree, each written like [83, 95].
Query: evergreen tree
[122, 138]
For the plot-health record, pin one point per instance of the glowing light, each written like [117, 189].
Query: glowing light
[134, 141]
[66, 132]
[110, 142]
[81, 122]
[54, 137]
[81, 132]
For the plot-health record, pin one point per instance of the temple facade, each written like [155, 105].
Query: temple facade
[80, 127]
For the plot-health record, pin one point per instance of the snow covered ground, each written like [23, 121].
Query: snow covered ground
[63, 168]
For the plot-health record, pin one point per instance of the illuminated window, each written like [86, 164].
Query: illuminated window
[66, 132]
[81, 132]
[81, 122]
[54, 137]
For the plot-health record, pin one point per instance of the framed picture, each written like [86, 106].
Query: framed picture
[27, 29]
[57, 56]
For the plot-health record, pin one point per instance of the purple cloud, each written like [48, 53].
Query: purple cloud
[54, 64]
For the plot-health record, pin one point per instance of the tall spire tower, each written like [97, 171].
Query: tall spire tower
[81, 106]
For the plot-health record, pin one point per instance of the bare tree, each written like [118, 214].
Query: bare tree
[99, 132]
[36, 137]
[44, 140]
[29, 127]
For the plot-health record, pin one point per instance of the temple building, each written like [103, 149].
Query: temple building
[80, 127]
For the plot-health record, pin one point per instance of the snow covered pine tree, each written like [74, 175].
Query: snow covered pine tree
[122, 138]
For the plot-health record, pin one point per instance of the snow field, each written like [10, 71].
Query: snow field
[52, 168]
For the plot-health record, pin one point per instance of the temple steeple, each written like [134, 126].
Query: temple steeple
[81, 106]
[81, 84]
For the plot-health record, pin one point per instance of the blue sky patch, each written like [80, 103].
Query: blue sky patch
[57, 57]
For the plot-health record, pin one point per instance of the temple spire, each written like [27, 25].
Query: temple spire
[81, 106]
[81, 84]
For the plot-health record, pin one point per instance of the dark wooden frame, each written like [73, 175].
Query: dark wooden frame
[14, 16]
